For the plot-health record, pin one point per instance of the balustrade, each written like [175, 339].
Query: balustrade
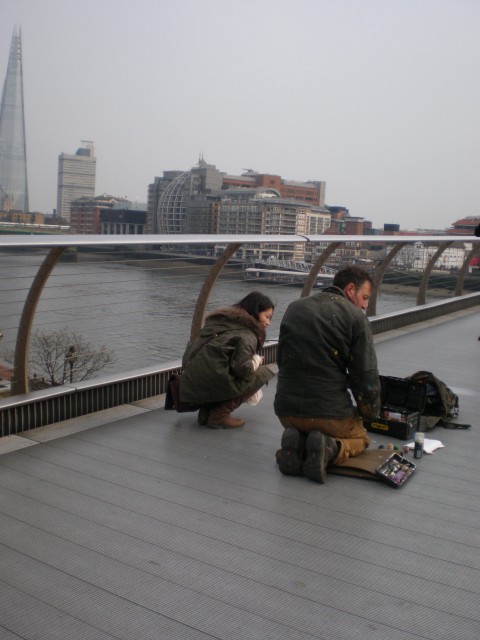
[38, 296]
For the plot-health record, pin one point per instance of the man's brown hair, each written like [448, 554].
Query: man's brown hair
[353, 274]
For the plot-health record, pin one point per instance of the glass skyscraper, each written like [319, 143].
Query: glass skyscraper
[13, 156]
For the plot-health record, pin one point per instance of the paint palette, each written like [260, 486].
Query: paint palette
[396, 470]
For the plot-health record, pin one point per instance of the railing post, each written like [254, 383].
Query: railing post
[20, 367]
[378, 277]
[317, 265]
[461, 276]
[203, 296]
[422, 290]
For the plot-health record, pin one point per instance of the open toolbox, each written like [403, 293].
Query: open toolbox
[402, 404]
[396, 470]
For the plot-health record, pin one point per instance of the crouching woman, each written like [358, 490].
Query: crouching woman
[222, 367]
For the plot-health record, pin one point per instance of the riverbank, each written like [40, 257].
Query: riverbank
[441, 285]
[412, 288]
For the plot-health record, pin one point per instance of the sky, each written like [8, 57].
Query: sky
[378, 98]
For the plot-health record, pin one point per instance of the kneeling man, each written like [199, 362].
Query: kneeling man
[325, 351]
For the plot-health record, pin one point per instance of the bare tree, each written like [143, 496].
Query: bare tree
[65, 356]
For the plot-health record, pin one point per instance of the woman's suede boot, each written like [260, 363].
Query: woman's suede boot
[220, 416]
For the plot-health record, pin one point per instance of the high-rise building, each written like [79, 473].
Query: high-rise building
[13, 155]
[76, 178]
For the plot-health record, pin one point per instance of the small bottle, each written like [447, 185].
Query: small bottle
[419, 439]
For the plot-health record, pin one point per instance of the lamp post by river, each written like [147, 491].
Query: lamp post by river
[70, 360]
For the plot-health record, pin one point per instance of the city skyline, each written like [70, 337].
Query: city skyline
[376, 99]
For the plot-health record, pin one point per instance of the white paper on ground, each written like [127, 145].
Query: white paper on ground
[429, 446]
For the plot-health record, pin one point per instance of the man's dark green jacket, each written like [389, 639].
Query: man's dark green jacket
[326, 348]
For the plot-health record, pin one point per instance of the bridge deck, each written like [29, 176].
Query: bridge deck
[138, 523]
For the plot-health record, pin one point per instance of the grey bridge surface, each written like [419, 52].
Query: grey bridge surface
[136, 523]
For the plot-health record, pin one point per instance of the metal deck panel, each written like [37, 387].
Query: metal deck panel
[153, 527]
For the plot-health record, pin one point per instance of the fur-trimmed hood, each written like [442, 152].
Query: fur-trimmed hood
[225, 316]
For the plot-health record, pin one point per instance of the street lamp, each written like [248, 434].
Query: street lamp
[70, 359]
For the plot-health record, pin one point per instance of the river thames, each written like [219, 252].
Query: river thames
[141, 310]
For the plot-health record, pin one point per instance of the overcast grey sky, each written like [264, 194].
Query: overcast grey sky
[379, 98]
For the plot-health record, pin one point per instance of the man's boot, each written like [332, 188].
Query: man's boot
[290, 456]
[220, 416]
[320, 450]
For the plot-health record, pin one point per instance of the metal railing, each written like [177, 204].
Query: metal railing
[47, 286]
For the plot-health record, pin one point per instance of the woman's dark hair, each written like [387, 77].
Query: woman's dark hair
[254, 303]
[355, 275]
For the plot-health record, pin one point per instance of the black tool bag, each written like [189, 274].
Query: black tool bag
[419, 402]
[441, 401]
[441, 405]
[403, 402]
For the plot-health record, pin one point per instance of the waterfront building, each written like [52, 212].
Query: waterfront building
[417, 256]
[164, 191]
[241, 211]
[20, 217]
[76, 178]
[188, 201]
[202, 211]
[122, 221]
[356, 226]
[318, 221]
[464, 226]
[85, 212]
[169, 197]
[343, 223]
[391, 229]
[13, 154]
[263, 211]
[312, 192]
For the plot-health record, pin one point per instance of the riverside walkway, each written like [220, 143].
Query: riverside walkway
[136, 523]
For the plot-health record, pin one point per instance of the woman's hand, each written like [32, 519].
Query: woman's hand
[257, 361]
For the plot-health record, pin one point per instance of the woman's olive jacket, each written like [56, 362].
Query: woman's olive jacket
[325, 350]
[218, 364]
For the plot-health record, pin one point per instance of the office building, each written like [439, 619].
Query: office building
[13, 155]
[123, 221]
[76, 178]
[187, 201]
[85, 212]
[262, 211]
[170, 195]
[312, 192]
[464, 226]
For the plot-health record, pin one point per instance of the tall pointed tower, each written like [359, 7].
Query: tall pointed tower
[13, 156]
